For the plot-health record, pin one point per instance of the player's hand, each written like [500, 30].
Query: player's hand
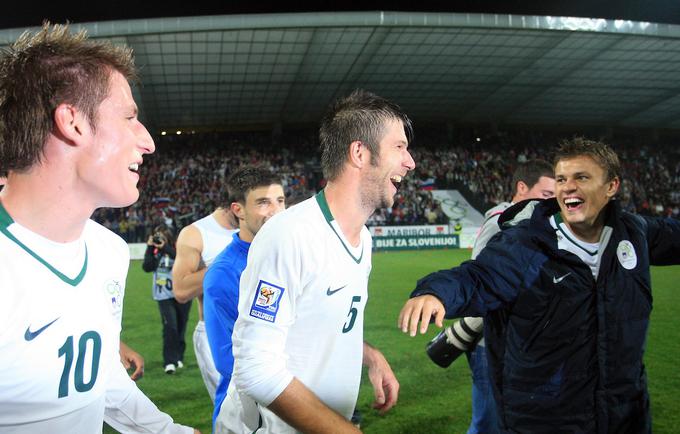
[132, 360]
[385, 384]
[421, 309]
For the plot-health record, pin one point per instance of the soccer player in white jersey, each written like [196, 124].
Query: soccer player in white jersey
[197, 247]
[298, 341]
[70, 142]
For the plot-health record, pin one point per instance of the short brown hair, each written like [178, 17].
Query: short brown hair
[530, 172]
[42, 70]
[249, 178]
[361, 116]
[600, 152]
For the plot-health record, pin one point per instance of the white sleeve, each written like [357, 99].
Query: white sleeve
[128, 410]
[269, 287]
[487, 231]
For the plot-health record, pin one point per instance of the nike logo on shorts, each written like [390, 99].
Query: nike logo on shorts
[329, 292]
[559, 279]
[29, 335]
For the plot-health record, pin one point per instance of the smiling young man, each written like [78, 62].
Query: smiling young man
[255, 194]
[566, 294]
[70, 142]
[298, 342]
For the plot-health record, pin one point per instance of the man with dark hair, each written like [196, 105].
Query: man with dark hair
[533, 179]
[298, 340]
[197, 247]
[256, 194]
[70, 143]
[360, 115]
[566, 295]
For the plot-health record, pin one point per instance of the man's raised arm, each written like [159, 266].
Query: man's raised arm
[188, 269]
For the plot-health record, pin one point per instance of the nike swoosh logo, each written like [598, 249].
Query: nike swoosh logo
[559, 279]
[329, 292]
[29, 335]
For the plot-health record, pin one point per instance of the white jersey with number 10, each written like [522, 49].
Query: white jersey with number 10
[60, 316]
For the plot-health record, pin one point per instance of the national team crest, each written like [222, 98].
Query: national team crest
[266, 302]
[115, 291]
[626, 254]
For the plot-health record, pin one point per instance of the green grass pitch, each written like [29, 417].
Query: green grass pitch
[431, 400]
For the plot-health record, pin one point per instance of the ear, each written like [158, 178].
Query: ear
[359, 155]
[238, 211]
[71, 123]
[613, 187]
[522, 187]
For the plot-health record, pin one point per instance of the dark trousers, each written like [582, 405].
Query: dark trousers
[174, 316]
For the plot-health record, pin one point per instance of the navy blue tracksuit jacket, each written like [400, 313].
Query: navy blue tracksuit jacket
[565, 350]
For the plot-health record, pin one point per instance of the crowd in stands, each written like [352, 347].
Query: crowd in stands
[184, 179]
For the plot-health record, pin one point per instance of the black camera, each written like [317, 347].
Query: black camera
[454, 340]
[157, 238]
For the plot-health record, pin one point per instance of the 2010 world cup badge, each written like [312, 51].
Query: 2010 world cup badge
[266, 302]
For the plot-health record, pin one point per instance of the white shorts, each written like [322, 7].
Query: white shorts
[204, 359]
[239, 414]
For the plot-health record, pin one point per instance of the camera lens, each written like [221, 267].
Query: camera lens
[455, 340]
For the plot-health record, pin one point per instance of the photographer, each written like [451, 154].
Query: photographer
[159, 257]
[531, 180]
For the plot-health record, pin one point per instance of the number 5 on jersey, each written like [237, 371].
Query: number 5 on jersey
[352, 315]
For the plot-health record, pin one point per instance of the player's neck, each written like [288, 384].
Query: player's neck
[244, 234]
[45, 206]
[589, 232]
[345, 205]
[223, 217]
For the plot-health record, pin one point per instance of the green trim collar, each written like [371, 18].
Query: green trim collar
[6, 220]
[323, 204]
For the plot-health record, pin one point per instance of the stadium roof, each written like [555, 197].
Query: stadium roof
[242, 71]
